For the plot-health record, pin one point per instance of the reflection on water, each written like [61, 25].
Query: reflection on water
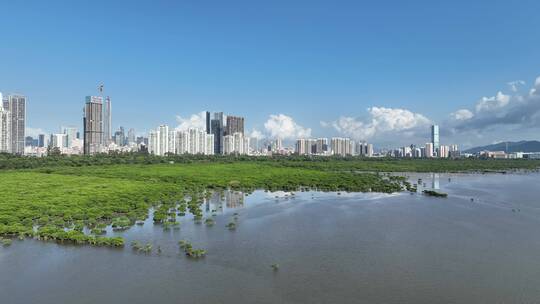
[348, 248]
[435, 181]
[223, 200]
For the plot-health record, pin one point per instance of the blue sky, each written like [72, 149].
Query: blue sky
[324, 65]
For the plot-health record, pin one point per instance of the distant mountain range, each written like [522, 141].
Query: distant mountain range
[513, 146]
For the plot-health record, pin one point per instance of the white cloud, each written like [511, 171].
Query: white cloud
[462, 114]
[256, 134]
[514, 85]
[34, 132]
[492, 103]
[284, 127]
[504, 113]
[194, 121]
[381, 120]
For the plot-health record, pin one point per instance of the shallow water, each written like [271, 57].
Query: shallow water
[347, 248]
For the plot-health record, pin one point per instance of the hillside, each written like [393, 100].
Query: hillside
[518, 146]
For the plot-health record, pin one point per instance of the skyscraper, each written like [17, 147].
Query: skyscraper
[217, 130]
[16, 105]
[208, 123]
[235, 124]
[41, 140]
[131, 136]
[5, 130]
[163, 140]
[93, 124]
[107, 122]
[435, 138]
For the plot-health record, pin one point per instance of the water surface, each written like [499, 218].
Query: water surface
[346, 248]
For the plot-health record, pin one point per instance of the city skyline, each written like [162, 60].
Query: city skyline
[331, 70]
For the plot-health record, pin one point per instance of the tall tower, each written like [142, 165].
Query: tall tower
[435, 138]
[16, 105]
[5, 129]
[217, 130]
[208, 123]
[93, 124]
[107, 122]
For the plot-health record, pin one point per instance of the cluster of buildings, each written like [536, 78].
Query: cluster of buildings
[221, 135]
[508, 155]
[337, 146]
[432, 149]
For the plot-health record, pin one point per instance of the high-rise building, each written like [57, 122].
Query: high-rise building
[16, 105]
[5, 130]
[131, 136]
[153, 142]
[306, 146]
[71, 135]
[93, 125]
[194, 141]
[163, 139]
[429, 152]
[435, 138]
[217, 130]
[454, 151]
[28, 141]
[369, 150]
[236, 144]
[41, 140]
[322, 146]
[172, 142]
[107, 122]
[119, 137]
[58, 140]
[443, 151]
[208, 123]
[278, 144]
[235, 124]
[342, 146]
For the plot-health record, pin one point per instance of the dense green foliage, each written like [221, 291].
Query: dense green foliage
[8, 161]
[55, 198]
